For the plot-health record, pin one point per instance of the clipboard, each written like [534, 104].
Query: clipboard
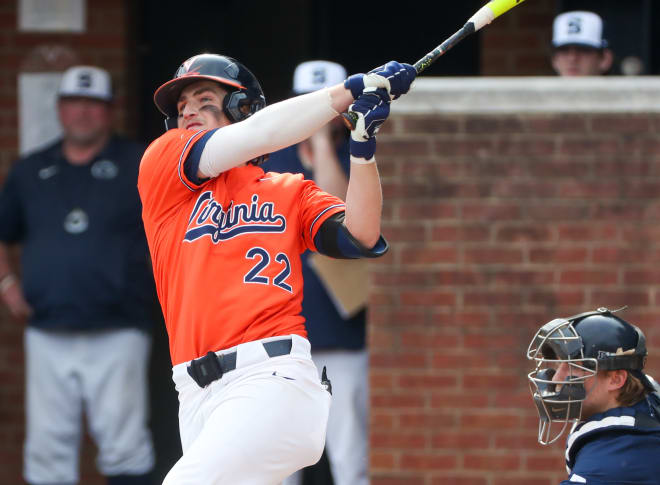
[345, 280]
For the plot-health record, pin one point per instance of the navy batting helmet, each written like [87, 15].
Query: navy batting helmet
[245, 96]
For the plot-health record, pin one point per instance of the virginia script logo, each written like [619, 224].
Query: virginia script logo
[208, 218]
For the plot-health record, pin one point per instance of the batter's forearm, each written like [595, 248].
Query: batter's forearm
[364, 204]
[272, 128]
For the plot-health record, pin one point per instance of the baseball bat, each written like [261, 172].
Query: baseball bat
[482, 17]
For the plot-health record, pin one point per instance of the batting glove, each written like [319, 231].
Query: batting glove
[396, 78]
[372, 109]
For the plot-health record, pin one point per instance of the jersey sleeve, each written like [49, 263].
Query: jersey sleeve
[163, 181]
[317, 206]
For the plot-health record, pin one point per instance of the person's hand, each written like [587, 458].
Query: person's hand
[394, 77]
[12, 296]
[372, 109]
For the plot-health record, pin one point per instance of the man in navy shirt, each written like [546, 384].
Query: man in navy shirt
[589, 374]
[86, 291]
[336, 333]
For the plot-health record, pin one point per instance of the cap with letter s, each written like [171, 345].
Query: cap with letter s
[578, 28]
[86, 82]
[313, 75]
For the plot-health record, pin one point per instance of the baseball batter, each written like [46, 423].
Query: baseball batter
[225, 240]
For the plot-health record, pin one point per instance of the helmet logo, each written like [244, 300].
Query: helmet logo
[188, 63]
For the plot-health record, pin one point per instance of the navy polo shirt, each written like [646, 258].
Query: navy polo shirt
[326, 329]
[84, 257]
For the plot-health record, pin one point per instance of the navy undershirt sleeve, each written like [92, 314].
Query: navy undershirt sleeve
[191, 164]
[334, 240]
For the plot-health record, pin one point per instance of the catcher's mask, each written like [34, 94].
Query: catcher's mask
[585, 343]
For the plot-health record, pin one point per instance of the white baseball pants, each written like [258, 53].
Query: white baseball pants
[102, 374]
[347, 441]
[254, 426]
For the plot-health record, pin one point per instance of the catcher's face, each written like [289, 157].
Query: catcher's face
[200, 106]
[596, 387]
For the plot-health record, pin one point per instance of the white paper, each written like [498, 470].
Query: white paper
[37, 110]
[51, 15]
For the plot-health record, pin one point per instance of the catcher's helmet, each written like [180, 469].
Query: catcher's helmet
[587, 343]
[245, 96]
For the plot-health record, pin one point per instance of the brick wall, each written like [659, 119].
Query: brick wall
[518, 42]
[505, 206]
[105, 43]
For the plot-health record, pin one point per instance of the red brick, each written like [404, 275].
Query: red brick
[448, 400]
[641, 277]
[559, 255]
[429, 255]
[399, 479]
[492, 255]
[589, 146]
[440, 478]
[619, 298]
[397, 401]
[491, 298]
[427, 298]
[410, 211]
[492, 462]
[559, 297]
[381, 460]
[425, 382]
[431, 125]
[462, 440]
[472, 233]
[558, 124]
[465, 147]
[490, 212]
[526, 147]
[621, 124]
[394, 147]
[525, 232]
[402, 440]
[384, 360]
[494, 381]
[585, 276]
[428, 462]
[428, 420]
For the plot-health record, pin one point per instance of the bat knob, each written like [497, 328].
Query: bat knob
[350, 120]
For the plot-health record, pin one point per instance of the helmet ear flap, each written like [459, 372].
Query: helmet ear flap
[238, 106]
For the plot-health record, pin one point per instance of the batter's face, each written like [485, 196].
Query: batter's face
[573, 61]
[200, 106]
[84, 121]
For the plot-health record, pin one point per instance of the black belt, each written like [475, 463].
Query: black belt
[212, 366]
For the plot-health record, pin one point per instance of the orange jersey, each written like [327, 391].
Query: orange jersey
[226, 253]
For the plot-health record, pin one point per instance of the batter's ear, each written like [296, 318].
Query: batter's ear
[606, 60]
